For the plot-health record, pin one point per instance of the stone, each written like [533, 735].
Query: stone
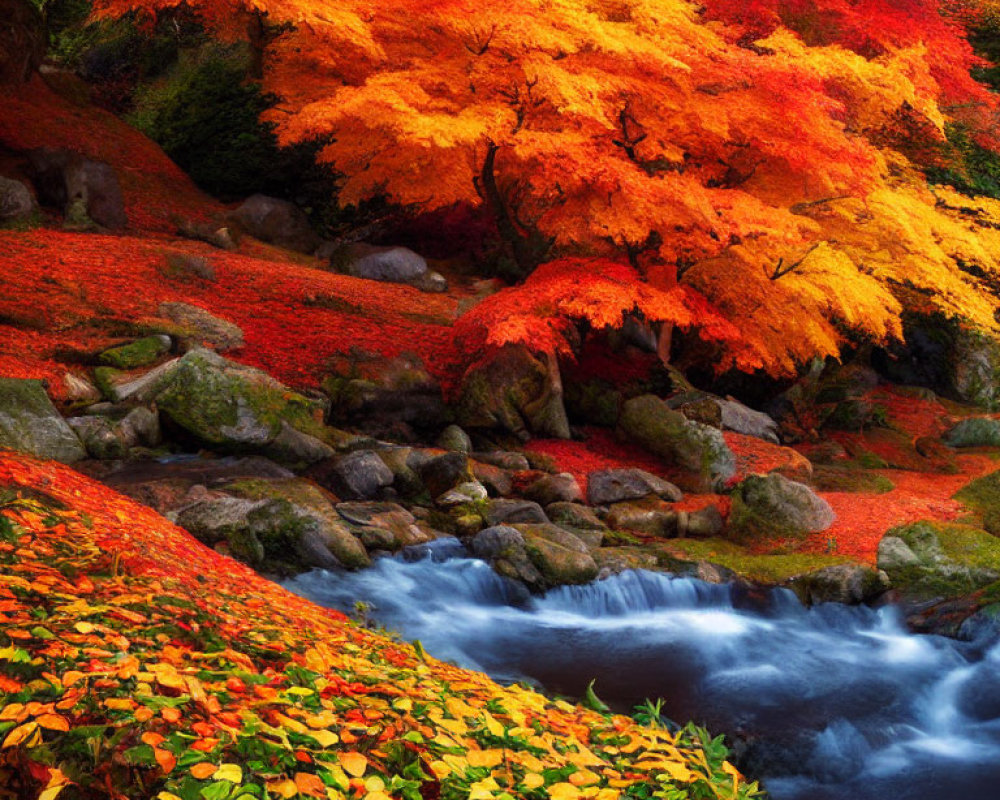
[934, 560]
[975, 368]
[463, 494]
[321, 528]
[650, 519]
[235, 408]
[431, 282]
[79, 389]
[974, 432]
[16, 202]
[455, 439]
[574, 516]
[99, 437]
[559, 488]
[702, 524]
[77, 185]
[445, 472]
[614, 485]
[186, 265]
[23, 41]
[120, 386]
[504, 548]
[771, 506]
[698, 450]
[498, 482]
[30, 423]
[504, 459]
[205, 327]
[277, 222]
[849, 584]
[390, 264]
[390, 398]
[742, 419]
[513, 392]
[559, 556]
[139, 353]
[509, 512]
[360, 475]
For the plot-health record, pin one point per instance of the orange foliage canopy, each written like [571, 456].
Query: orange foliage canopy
[751, 151]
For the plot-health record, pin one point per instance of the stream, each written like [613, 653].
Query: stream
[832, 702]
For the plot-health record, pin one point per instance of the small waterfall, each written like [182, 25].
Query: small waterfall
[830, 702]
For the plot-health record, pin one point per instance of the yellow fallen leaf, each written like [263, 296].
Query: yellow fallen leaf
[584, 778]
[374, 784]
[563, 791]
[679, 772]
[229, 772]
[284, 787]
[57, 782]
[28, 734]
[492, 725]
[325, 738]
[354, 764]
[84, 627]
[608, 794]
[484, 758]
[440, 769]
[403, 704]
[119, 703]
[533, 780]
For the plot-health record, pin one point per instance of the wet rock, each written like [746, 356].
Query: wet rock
[504, 548]
[30, 423]
[615, 485]
[842, 583]
[698, 450]
[463, 494]
[927, 560]
[771, 506]
[574, 516]
[498, 482]
[205, 328]
[559, 556]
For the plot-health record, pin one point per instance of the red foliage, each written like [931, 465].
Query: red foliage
[294, 317]
[156, 192]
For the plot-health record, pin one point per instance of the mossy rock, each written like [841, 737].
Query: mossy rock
[850, 478]
[773, 569]
[983, 496]
[773, 507]
[30, 423]
[595, 402]
[974, 432]
[930, 559]
[139, 353]
[235, 408]
[698, 450]
[559, 556]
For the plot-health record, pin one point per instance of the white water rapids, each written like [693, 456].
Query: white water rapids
[834, 703]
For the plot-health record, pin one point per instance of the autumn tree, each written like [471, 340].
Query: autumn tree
[761, 155]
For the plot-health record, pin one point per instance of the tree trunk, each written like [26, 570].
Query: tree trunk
[512, 238]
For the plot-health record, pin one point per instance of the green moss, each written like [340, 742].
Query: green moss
[850, 479]
[767, 568]
[104, 378]
[135, 354]
[983, 496]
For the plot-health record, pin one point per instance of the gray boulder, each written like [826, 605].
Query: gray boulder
[849, 584]
[975, 366]
[932, 560]
[30, 423]
[16, 202]
[445, 472]
[698, 450]
[455, 439]
[236, 408]
[771, 506]
[111, 438]
[741, 419]
[277, 222]
[509, 512]
[561, 557]
[360, 475]
[81, 188]
[503, 547]
[204, 327]
[974, 432]
[614, 485]
[390, 264]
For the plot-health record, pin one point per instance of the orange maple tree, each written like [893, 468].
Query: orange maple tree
[754, 153]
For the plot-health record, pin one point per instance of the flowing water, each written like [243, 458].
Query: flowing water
[832, 702]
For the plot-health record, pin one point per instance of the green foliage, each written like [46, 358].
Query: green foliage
[971, 169]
